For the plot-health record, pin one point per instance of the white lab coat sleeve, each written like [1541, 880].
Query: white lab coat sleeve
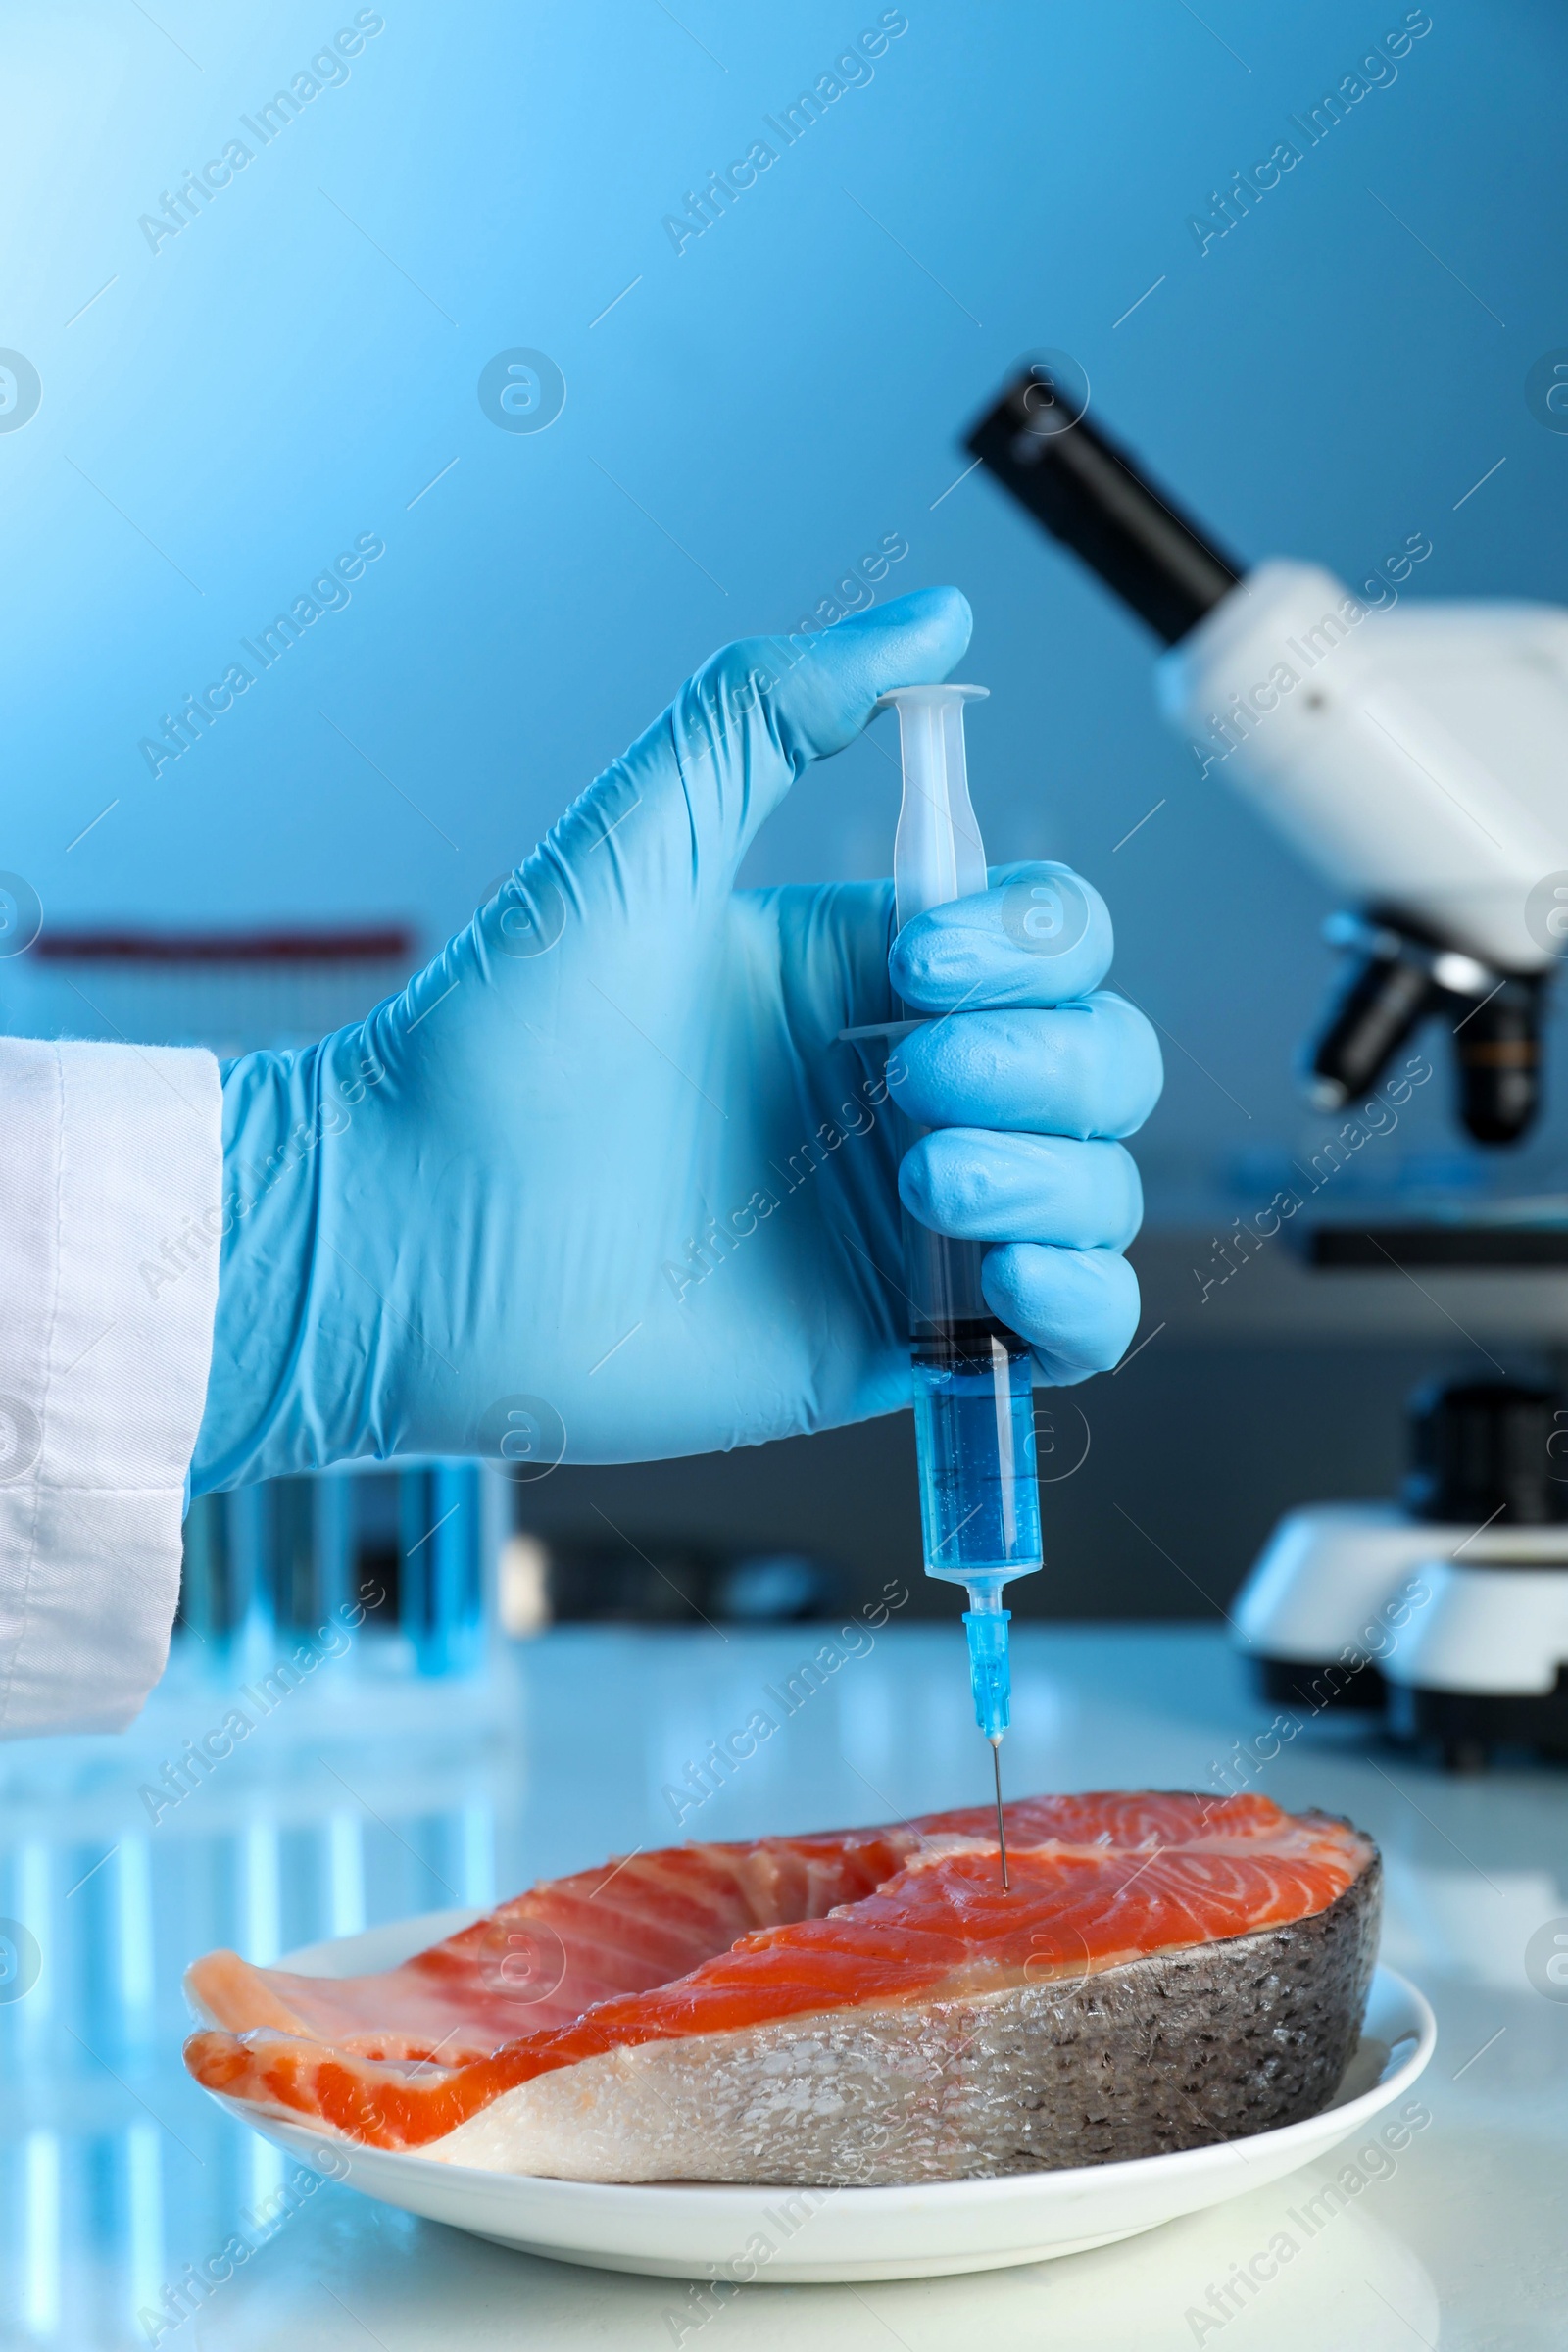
[110, 1209]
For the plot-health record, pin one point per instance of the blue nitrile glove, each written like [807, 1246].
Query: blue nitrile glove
[604, 1183]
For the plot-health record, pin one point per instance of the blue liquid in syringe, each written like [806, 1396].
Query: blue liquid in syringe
[979, 1499]
[974, 1429]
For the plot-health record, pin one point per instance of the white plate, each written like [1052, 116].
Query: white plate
[795, 2236]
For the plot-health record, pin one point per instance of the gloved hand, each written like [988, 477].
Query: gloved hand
[603, 1181]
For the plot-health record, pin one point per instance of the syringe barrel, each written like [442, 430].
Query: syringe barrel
[941, 1277]
[976, 1441]
[973, 1401]
[974, 1428]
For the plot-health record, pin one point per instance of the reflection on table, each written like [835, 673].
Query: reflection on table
[133, 2212]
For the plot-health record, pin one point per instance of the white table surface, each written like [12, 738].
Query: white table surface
[359, 1800]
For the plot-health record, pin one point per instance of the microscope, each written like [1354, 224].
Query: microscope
[1415, 754]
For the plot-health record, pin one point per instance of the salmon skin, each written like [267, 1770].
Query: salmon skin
[866, 2007]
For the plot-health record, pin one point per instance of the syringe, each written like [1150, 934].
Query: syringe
[973, 1406]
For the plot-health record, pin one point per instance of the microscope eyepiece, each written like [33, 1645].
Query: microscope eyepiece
[1090, 494]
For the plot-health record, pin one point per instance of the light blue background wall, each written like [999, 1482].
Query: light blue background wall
[295, 367]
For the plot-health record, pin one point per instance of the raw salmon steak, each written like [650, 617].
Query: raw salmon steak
[866, 2007]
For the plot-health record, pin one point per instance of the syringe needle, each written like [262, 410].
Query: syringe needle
[1002, 1826]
